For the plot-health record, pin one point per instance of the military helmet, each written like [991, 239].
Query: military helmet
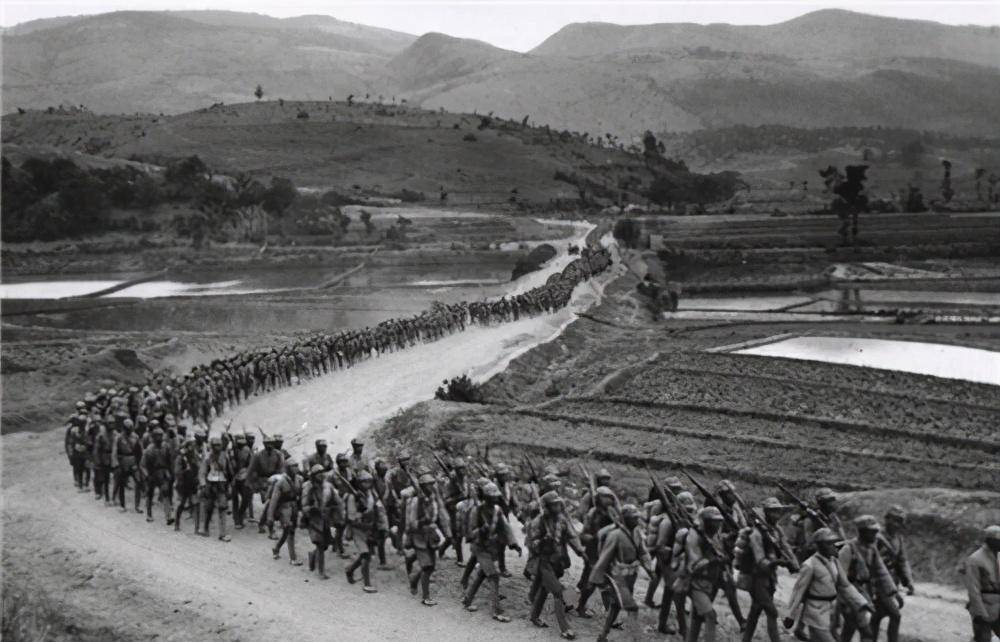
[491, 490]
[342, 457]
[403, 456]
[602, 474]
[158, 432]
[686, 499]
[552, 497]
[128, 423]
[710, 513]
[991, 533]
[630, 510]
[896, 511]
[502, 469]
[241, 438]
[674, 484]
[364, 475]
[459, 464]
[277, 438]
[357, 442]
[317, 469]
[773, 503]
[724, 485]
[320, 442]
[80, 404]
[291, 463]
[866, 523]
[825, 535]
[427, 478]
[215, 441]
[825, 494]
[605, 491]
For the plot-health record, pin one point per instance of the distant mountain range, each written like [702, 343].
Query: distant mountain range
[827, 68]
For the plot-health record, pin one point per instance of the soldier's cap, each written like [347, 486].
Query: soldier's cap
[342, 457]
[605, 491]
[825, 493]
[710, 513]
[991, 533]
[102, 391]
[491, 490]
[317, 469]
[200, 433]
[408, 492]
[80, 404]
[866, 523]
[169, 419]
[551, 469]
[158, 432]
[112, 391]
[291, 462]
[724, 485]
[276, 438]
[427, 478]
[551, 498]
[684, 497]
[825, 535]
[141, 419]
[154, 422]
[404, 456]
[896, 511]
[773, 503]
[364, 475]
[459, 464]
[241, 438]
[357, 442]
[502, 469]
[602, 474]
[133, 389]
[630, 510]
[128, 423]
[320, 442]
[673, 482]
[89, 397]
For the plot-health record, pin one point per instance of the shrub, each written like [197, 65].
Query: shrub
[470, 138]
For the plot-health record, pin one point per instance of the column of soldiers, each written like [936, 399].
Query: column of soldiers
[846, 586]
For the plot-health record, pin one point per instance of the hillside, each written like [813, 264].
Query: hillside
[824, 69]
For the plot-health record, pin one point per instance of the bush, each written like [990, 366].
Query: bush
[470, 138]
[459, 389]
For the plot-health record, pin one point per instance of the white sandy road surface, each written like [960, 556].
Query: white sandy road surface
[99, 565]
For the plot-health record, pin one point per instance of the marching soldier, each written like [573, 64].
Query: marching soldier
[320, 503]
[213, 486]
[263, 466]
[820, 584]
[358, 460]
[242, 491]
[186, 467]
[488, 529]
[660, 536]
[602, 479]
[125, 455]
[706, 565]
[320, 457]
[456, 491]
[826, 503]
[283, 506]
[892, 547]
[596, 518]
[548, 536]
[617, 568]
[365, 517]
[156, 471]
[866, 570]
[982, 581]
[76, 450]
[103, 446]
[426, 521]
[767, 551]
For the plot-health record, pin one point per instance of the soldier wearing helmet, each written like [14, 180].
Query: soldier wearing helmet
[242, 492]
[358, 459]
[156, 466]
[765, 550]
[892, 546]
[320, 457]
[125, 456]
[820, 584]
[321, 506]
[186, 467]
[982, 581]
[366, 519]
[426, 523]
[705, 564]
[282, 507]
[264, 465]
[487, 530]
[826, 508]
[867, 571]
[456, 491]
[602, 478]
[622, 553]
[597, 518]
[214, 477]
[548, 537]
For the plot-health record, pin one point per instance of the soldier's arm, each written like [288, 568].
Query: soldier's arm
[608, 552]
[973, 584]
[114, 452]
[849, 594]
[764, 562]
[801, 588]
[905, 571]
[692, 549]
[883, 578]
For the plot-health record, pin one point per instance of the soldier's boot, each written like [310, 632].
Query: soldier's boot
[632, 632]
[470, 593]
[560, 609]
[201, 518]
[425, 588]
[167, 509]
[408, 561]
[609, 621]
[321, 564]
[470, 568]
[381, 554]
[459, 555]
[537, 604]
[414, 579]
[498, 614]
[366, 574]
[223, 535]
[665, 604]
[581, 605]
[734, 604]
[138, 497]
[293, 559]
[149, 507]
[654, 581]
[177, 516]
[349, 571]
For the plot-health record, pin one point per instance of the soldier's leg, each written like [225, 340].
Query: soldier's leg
[181, 504]
[821, 635]
[470, 568]
[666, 601]
[609, 620]
[150, 491]
[220, 503]
[752, 617]
[501, 560]
[654, 582]
[366, 570]
[380, 548]
[586, 590]
[203, 514]
[166, 500]
[888, 609]
[703, 614]
[139, 488]
[470, 593]
[118, 491]
[729, 588]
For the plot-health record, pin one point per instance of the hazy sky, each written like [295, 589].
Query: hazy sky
[522, 24]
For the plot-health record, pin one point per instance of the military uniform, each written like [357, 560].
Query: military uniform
[426, 521]
[488, 529]
[867, 571]
[821, 582]
[982, 581]
[548, 538]
[156, 464]
[622, 552]
[214, 476]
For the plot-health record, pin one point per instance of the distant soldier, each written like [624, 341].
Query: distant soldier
[456, 490]
[660, 535]
[426, 522]
[186, 465]
[156, 467]
[242, 492]
[488, 529]
[213, 486]
[282, 506]
[622, 553]
[892, 547]
[820, 584]
[76, 450]
[982, 581]
[125, 455]
[601, 479]
[867, 571]
[358, 460]
[548, 536]
[103, 446]
[264, 465]
[826, 503]
[320, 457]
[365, 517]
[320, 503]
[766, 551]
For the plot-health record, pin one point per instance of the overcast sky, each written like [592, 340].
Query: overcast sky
[522, 24]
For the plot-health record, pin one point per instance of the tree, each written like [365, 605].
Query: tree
[992, 195]
[947, 192]
[259, 92]
[911, 153]
[980, 173]
[350, 100]
[366, 218]
[849, 197]
[279, 196]
[914, 200]
[629, 232]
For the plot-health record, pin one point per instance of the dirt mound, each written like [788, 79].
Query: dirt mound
[534, 261]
